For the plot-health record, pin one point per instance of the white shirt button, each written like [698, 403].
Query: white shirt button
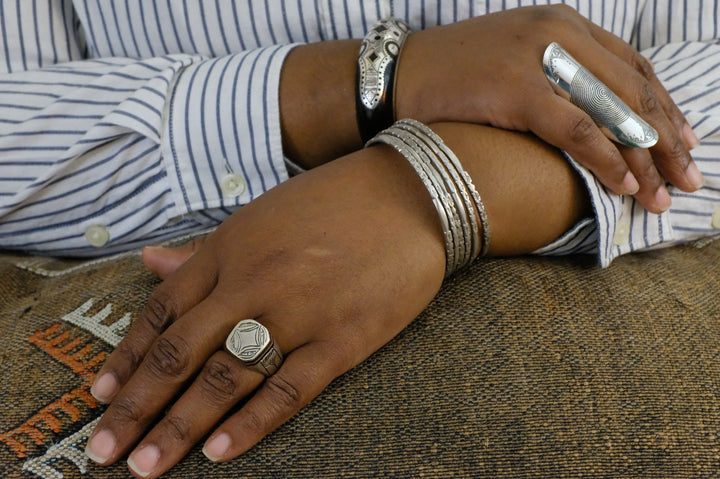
[622, 232]
[232, 184]
[716, 218]
[97, 235]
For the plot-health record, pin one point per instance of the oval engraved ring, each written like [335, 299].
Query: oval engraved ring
[254, 346]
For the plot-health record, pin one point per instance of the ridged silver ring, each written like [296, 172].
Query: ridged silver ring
[609, 112]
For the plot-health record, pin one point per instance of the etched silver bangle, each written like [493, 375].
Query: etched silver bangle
[479, 205]
[430, 185]
[375, 77]
[450, 195]
[454, 196]
[429, 142]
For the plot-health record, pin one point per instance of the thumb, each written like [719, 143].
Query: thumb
[163, 261]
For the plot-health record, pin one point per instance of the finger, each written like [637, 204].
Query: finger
[653, 194]
[645, 67]
[649, 98]
[221, 384]
[640, 96]
[173, 358]
[163, 261]
[169, 301]
[572, 130]
[303, 375]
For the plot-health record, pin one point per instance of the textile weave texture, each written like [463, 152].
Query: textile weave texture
[526, 367]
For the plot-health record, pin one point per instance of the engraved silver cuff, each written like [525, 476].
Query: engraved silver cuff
[254, 346]
[611, 114]
[377, 62]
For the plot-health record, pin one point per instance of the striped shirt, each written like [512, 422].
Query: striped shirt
[129, 122]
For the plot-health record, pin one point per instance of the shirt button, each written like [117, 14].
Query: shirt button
[716, 218]
[232, 184]
[622, 232]
[97, 235]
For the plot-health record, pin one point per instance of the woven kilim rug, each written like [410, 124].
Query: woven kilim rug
[528, 367]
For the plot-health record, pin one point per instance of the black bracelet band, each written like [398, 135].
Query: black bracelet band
[375, 78]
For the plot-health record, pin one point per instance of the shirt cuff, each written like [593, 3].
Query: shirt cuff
[620, 225]
[222, 144]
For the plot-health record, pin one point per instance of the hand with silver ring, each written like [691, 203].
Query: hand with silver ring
[488, 70]
[324, 290]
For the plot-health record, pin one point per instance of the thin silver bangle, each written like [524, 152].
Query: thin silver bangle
[407, 152]
[480, 207]
[454, 195]
[470, 228]
[451, 195]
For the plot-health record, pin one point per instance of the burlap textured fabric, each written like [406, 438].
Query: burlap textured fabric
[526, 367]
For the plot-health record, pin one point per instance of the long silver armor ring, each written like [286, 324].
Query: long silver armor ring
[609, 112]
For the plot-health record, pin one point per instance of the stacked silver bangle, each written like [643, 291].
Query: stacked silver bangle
[450, 186]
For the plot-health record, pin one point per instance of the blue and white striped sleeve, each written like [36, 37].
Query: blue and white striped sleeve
[104, 155]
[38, 33]
[688, 70]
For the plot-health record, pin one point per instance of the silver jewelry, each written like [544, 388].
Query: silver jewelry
[450, 194]
[614, 117]
[452, 163]
[377, 63]
[431, 186]
[451, 189]
[254, 346]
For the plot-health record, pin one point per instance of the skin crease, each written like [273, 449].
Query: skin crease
[370, 217]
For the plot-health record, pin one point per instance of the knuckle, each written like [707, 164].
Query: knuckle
[131, 357]
[159, 311]
[169, 357]
[548, 19]
[641, 64]
[647, 171]
[284, 392]
[125, 410]
[255, 422]
[646, 99]
[582, 129]
[178, 428]
[554, 11]
[678, 152]
[218, 382]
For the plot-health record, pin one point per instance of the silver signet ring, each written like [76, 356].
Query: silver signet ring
[609, 112]
[254, 346]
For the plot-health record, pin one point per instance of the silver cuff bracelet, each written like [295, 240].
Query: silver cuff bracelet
[377, 63]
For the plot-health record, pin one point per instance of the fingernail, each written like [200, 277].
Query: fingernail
[630, 185]
[691, 139]
[101, 447]
[144, 460]
[104, 388]
[217, 446]
[662, 199]
[694, 176]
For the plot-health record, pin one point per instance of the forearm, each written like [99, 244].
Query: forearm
[317, 102]
[531, 194]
